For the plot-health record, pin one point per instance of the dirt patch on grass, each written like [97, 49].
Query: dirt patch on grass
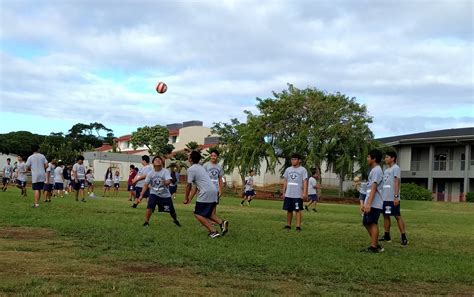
[18, 233]
[149, 268]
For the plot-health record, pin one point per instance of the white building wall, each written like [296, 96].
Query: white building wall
[188, 134]
[404, 158]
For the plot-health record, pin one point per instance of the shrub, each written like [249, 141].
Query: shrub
[470, 197]
[414, 192]
[351, 193]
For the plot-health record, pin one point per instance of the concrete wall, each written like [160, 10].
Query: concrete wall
[404, 158]
[188, 134]
[99, 167]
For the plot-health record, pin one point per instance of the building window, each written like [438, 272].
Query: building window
[440, 161]
[173, 139]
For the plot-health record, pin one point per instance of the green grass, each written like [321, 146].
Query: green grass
[100, 248]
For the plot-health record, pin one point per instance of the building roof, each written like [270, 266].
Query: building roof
[447, 135]
[104, 148]
[123, 138]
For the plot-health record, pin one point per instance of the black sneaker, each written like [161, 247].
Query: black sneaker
[404, 242]
[380, 248]
[176, 222]
[314, 209]
[134, 205]
[298, 228]
[214, 234]
[83, 200]
[287, 227]
[224, 227]
[372, 249]
[306, 207]
[386, 239]
[146, 224]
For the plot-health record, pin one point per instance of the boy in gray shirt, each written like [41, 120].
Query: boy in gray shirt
[373, 202]
[215, 172]
[207, 197]
[391, 198]
[37, 163]
[158, 182]
[21, 177]
[7, 174]
[139, 181]
[295, 188]
[79, 174]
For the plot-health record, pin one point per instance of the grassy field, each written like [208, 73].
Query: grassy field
[100, 248]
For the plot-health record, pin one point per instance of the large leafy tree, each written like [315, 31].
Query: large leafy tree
[155, 139]
[19, 143]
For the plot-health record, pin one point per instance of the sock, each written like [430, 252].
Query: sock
[404, 236]
[242, 202]
[386, 235]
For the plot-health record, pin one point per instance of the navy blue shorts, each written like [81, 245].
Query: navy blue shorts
[204, 209]
[250, 193]
[293, 204]
[38, 186]
[21, 183]
[138, 191]
[173, 189]
[372, 217]
[389, 209]
[58, 186]
[130, 188]
[116, 186]
[362, 196]
[313, 197]
[5, 180]
[164, 204]
[80, 185]
[48, 187]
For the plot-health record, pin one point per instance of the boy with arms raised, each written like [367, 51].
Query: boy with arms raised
[207, 197]
[391, 198]
[158, 182]
[37, 163]
[295, 188]
[373, 202]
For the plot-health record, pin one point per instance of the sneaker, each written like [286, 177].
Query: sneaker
[314, 209]
[386, 239]
[134, 205]
[306, 207]
[83, 200]
[380, 248]
[287, 227]
[373, 250]
[35, 205]
[404, 242]
[224, 227]
[213, 234]
[298, 228]
[176, 222]
[146, 224]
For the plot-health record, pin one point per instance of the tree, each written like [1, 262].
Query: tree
[82, 136]
[19, 143]
[180, 160]
[154, 138]
[192, 146]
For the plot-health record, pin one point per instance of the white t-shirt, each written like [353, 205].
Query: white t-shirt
[36, 163]
[312, 186]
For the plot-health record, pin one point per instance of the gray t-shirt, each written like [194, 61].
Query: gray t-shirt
[215, 173]
[143, 172]
[363, 187]
[207, 191]
[7, 171]
[156, 180]
[80, 170]
[21, 167]
[50, 171]
[58, 175]
[312, 182]
[389, 182]
[295, 177]
[375, 176]
[249, 183]
[36, 163]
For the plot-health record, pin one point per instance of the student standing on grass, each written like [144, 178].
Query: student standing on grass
[207, 197]
[391, 198]
[67, 178]
[139, 181]
[108, 181]
[215, 172]
[313, 191]
[158, 181]
[7, 175]
[373, 202]
[174, 181]
[48, 186]
[361, 187]
[116, 182]
[37, 163]
[79, 175]
[21, 175]
[249, 192]
[295, 188]
[130, 188]
[90, 183]
[59, 180]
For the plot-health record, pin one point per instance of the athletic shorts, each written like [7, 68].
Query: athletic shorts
[138, 191]
[173, 189]
[38, 186]
[80, 185]
[58, 186]
[164, 204]
[21, 183]
[116, 186]
[130, 188]
[48, 187]
[89, 184]
[313, 197]
[389, 209]
[6, 180]
[250, 193]
[362, 196]
[204, 209]
[372, 217]
[293, 204]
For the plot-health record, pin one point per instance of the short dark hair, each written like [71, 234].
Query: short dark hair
[314, 172]
[136, 169]
[392, 154]
[376, 155]
[8, 159]
[158, 157]
[146, 158]
[132, 166]
[296, 156]
[80, 157]
[215, 151]
[35, 147]
[195, 157]
[251, 170]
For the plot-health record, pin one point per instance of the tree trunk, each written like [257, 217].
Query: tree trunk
[341, 185]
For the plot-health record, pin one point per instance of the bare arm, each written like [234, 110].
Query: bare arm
[305, 188]
[396, 191]
[283, 191]
[221, 186]
[187, 192]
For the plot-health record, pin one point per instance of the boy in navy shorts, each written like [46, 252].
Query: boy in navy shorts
[373, 202]
[249, 192]
[158, 182]
[295, 188]
[207, 197]
[391, 198]
[37, 163]
[79, 174]
[313, 188]
[139, 181]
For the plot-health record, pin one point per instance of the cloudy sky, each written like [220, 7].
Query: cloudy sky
[63, 62]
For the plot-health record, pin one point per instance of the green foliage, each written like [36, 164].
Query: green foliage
[19, 143]
[470, 197]
[192, 146]
[82, 136]
[154, 138]
[180, 159]
[351, 193]
[410, 191]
